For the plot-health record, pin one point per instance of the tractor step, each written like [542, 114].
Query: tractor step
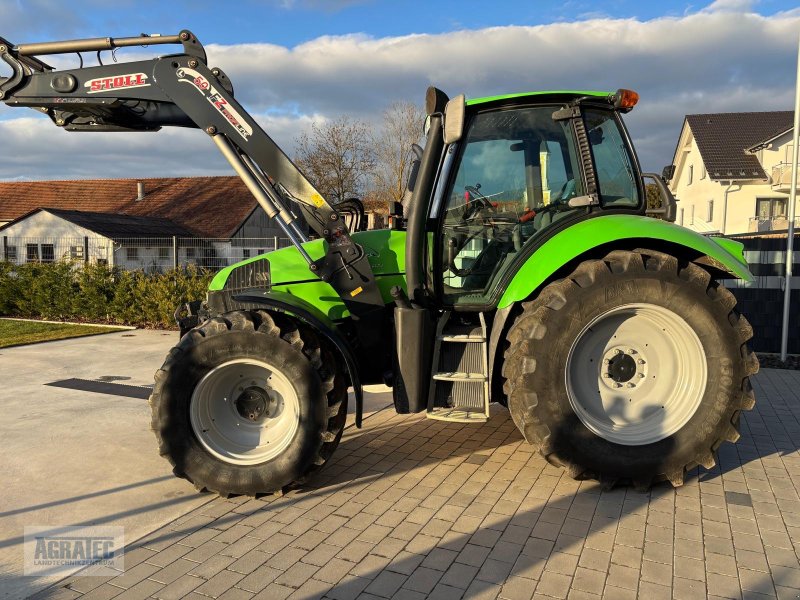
[460, 381]
[456, 376]
[463, 338]
[458, 415]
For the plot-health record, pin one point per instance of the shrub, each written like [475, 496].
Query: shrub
[64, 290]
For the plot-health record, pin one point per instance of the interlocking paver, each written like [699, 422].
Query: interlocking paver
[410, 508]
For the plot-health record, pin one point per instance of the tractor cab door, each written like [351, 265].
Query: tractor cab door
[511, 182]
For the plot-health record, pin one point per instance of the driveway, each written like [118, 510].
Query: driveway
[77, 447]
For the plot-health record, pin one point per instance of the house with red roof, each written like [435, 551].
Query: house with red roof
[145, 223]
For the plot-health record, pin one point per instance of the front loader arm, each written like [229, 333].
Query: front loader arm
[180, 90]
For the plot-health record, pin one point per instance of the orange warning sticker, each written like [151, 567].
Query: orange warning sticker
[356, 291]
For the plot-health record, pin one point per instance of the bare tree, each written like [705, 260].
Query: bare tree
[337, 157]
[402, 127]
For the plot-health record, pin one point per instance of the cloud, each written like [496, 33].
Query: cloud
[722, 58]
[731, 6]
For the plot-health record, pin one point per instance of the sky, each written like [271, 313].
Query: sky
[296, 62]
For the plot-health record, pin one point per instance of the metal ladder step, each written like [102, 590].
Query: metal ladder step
[462, 337]
[460, 373]
[458, 415]
[456, 376]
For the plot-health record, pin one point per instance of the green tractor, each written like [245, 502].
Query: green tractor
[524, 268]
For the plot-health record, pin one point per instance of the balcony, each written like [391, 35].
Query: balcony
[758, 225]
[782, 177]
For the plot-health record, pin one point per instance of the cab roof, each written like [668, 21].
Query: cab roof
[563, 93]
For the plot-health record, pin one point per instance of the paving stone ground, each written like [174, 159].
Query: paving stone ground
[411, 508]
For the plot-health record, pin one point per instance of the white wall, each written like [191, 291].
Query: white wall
[693, 198]
[43, 229]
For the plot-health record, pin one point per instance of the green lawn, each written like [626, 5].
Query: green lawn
[15, 333]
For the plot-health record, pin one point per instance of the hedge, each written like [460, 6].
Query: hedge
[69, 291]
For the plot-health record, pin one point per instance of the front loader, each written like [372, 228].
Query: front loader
[524, 268]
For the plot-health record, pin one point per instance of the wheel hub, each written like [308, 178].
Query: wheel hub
[624, 367]
[253, 404]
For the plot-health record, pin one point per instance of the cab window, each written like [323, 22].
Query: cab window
[612, 161]
[517, 171]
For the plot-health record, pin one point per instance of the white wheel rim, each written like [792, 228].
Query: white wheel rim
[244, 411]
[636, 374]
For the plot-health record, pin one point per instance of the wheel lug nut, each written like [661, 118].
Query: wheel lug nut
[641, 375]
[619, 385]
[641, 361]
[606, 361]
[631, 385]
[631, 351]
[619, 351]
[606, 375]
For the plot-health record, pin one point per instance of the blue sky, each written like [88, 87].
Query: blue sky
[296, 62]
[291, 22]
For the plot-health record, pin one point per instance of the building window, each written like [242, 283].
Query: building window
[76, 252]
[690, 175]
[680, 217]
[245, 252]
[163, 253]
[32, 252]
[770, 208]
[702, 171]
[710, 216]
[190, 253]
[691, 215]
[11, 253]
[48, 253]
[132, 253]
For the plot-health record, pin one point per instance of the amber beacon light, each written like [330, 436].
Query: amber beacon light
[624, 100]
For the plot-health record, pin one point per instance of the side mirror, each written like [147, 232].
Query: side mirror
[454, 119]
[660, 201]
[668, 172]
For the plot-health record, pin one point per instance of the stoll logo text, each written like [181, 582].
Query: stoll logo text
[63, 550]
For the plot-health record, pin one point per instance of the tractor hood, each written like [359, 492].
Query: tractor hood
[285, 270]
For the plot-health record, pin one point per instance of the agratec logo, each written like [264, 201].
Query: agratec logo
[105, 84]
[64, 550]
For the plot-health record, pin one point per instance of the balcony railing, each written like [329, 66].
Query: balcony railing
[782, 177]
[759, 225]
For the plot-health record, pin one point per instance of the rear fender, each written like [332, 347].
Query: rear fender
[620, 232]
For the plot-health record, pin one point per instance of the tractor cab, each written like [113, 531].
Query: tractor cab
[498, 178]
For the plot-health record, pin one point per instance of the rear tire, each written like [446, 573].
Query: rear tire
[596, 409]
[260, 437]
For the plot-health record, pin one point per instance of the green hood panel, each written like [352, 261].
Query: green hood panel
[582, 237]
[289, 273]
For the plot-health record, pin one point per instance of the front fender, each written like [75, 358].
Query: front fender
[620, 230]
[314, 318]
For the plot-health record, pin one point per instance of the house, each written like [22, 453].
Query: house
[150, 223]
[732, 172]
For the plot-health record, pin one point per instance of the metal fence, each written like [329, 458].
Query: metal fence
[148, 254]
[761, 300]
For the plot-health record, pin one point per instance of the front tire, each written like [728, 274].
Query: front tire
[248, 403]
[634, 368]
